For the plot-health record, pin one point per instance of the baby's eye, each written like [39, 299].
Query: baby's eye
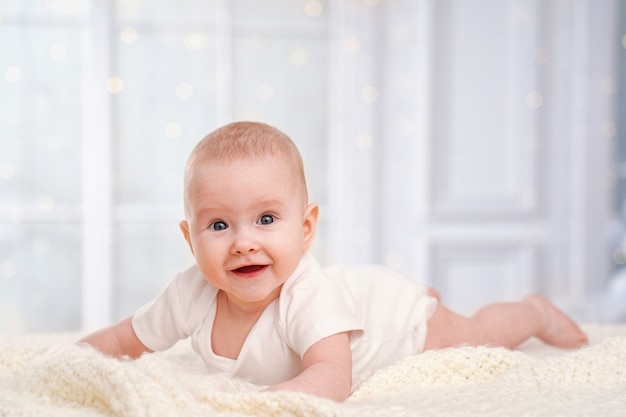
[218, 226]
[266, 219]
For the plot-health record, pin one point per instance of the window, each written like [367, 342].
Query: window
[101, 104]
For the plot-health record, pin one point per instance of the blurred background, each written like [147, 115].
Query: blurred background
[474, 145]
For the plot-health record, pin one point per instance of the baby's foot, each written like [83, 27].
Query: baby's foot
[559, 329]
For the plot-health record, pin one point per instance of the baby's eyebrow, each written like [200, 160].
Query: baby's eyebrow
[209, 212]
[271, 203]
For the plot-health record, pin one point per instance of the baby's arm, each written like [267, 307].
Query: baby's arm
[118, 340]
[326, 369]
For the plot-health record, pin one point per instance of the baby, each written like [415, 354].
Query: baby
[257, 305]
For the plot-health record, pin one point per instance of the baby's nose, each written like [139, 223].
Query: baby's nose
[245, 243]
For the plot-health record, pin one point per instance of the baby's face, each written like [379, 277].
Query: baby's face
[248, 224]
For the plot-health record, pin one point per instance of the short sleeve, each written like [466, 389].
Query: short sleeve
[169, 317]
[314, 307]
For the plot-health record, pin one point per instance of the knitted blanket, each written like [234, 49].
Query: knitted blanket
[50, 376]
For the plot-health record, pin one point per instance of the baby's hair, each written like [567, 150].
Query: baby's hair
[246, 140]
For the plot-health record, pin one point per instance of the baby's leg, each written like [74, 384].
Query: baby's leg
[504, 324]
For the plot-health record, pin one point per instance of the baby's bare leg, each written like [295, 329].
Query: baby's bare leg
[504, 324]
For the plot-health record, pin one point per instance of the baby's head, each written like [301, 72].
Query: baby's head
[245, 141]
[248, 220]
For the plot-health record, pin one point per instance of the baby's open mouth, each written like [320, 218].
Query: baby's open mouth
[250, 269]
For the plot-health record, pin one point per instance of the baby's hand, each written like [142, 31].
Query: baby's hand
[118, 340]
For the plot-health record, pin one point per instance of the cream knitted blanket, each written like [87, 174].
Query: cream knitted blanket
[50, 376]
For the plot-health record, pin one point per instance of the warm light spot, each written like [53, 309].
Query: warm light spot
[265, 91]
[128, 35]
[608, 129]
[369, 94]
[624, 41]
[42, 103]
[313, 8]
[7, 171]
[12, 74]
[195, 41]
[184, 91]
[45, 203]
[58, 51]
[351, 45]
[7, 270]
[534, 100]
[364, 140]
[17, 216]
[299, 56]
[115, 85]
[173, 130]
[257, 42]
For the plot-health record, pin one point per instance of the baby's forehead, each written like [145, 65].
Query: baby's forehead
[284, 173]
[202, 169]
[225, 162]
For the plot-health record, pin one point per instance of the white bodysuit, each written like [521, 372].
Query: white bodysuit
[384, 312]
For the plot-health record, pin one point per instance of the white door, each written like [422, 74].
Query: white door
[483, 165]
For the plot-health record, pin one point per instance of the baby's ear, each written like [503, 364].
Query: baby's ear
[310, 224]
[184, 227]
